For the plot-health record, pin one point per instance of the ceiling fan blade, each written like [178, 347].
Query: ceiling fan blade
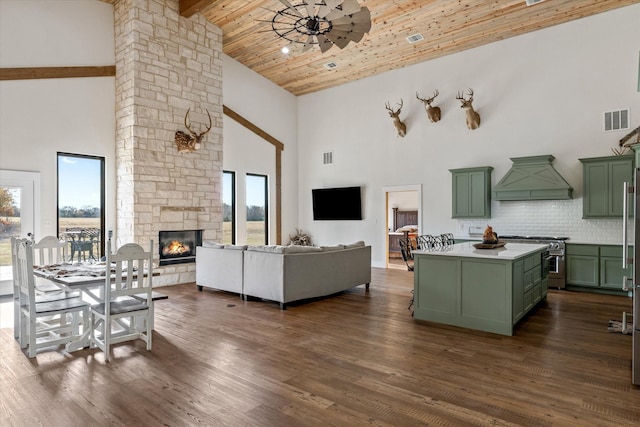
[349, 6]
[308, 44]
[324, 43]
[361, 28]
[334, 35]
[309, 5]
[291, 7]
[328, 7]
[356, 36]
[357, 18]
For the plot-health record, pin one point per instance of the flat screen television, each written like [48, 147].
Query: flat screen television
[335, 204]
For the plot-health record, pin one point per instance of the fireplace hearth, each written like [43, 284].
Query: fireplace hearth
[178, 247]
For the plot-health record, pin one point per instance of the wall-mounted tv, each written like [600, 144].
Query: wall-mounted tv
[337, 204]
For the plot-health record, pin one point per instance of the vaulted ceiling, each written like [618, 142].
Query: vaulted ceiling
[447, 26]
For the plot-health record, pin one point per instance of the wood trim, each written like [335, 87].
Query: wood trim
[188, 8]
[279, 147]
[28, 73]
[253, 128]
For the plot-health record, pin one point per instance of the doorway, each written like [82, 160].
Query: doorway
[19, 208]
[403, 207]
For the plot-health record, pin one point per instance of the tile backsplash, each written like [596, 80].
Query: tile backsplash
[561, 218]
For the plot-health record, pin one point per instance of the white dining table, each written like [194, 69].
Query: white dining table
[89, 279]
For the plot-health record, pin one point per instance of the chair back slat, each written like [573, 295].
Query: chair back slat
[132, 271]
[24, 271]
[50, 250]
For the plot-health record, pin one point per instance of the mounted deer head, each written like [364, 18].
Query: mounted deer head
[401, 128]
[433, 113]
[187, 143]
[473, 118]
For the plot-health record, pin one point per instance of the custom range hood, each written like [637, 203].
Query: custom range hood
[532, 178]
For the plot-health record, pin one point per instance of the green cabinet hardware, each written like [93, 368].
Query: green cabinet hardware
[471, 189]
[603, 179]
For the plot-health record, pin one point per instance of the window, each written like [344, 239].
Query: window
[81, 206]
[257, 210]
[228, 207]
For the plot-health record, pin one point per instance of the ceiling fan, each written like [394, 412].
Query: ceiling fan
[323, 23]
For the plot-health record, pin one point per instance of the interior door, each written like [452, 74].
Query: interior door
[19, 195]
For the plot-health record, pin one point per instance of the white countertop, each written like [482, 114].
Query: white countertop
[510, 251]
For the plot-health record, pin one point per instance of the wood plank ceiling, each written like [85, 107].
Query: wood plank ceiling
[448, 26]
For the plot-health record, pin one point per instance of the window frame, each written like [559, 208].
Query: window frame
[266, 203]
[102, 193]
[234, 214]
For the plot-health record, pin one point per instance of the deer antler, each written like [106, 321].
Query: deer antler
[428, 101]
[195, 134]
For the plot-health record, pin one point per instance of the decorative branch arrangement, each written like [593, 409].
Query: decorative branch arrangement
[187, 143]
[300, 239]
[401, 128]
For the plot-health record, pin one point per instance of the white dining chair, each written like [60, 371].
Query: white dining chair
[42, 288]
[125, 314]
[43, 322]
[49, 251]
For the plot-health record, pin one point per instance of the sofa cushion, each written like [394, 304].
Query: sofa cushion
[298, 249]
[236, 247]
[212, 244]
[332, 248]
[274, 249]
[357, 244]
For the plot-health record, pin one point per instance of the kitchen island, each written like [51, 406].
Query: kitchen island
[484, 289]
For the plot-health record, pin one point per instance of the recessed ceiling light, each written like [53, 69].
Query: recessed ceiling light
[532, 2]
[285, 49]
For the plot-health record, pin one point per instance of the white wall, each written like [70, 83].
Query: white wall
[273, 110]
[539, 93]
[39, 118]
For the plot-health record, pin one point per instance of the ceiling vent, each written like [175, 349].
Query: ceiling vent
[415, 38]
[532, 178]
[330, 65]
[327, 158]
[532, 2]
[616, 120]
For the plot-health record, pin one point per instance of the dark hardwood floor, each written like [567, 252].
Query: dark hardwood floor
[353, 359]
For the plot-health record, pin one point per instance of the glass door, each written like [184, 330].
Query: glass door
[18, 198]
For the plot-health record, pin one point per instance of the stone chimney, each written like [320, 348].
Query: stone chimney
[166, 64]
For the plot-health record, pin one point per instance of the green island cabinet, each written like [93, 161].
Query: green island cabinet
[596, 266]
[603, 179]
[471, 192]
[489, 294]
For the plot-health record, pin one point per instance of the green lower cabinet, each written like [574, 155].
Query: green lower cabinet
[490, 295]
[518, 290]
[582, 270]
[596, 266]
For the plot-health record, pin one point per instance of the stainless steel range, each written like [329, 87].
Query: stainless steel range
[554, 258]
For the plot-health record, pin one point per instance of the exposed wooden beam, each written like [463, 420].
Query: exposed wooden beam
[279, 147]
[188, 8]
[253, 128]
[27, 73]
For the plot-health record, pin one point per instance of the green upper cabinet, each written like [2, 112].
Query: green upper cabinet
[471, 192]
[603, 179]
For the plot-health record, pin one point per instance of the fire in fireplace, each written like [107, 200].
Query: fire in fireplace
[177, 247]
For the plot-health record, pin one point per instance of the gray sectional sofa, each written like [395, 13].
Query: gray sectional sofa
[284, 273]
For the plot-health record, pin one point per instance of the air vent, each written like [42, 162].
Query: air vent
[327, 158]
[330, 65]
[532, 2]
[415, 38]
[616, 120]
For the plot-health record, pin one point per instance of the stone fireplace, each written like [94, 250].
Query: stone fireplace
[178, 247]
[166, 64]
